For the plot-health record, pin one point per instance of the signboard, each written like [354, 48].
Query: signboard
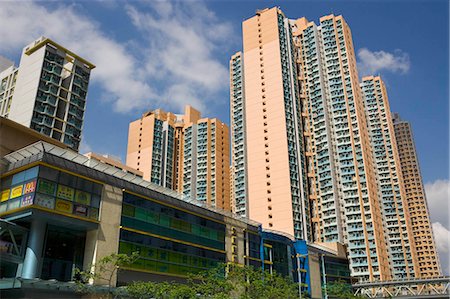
[65, 192]
[80, 210]
[64, 206]
[27, 200]
[16, 191]
[30, 187]
[93, 213]
[4, 195]
[13, 204]
[45, 201]
[83, 197]
[46, 187]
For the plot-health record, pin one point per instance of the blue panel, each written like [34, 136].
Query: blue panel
[301, 248]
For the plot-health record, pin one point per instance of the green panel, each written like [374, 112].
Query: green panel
[152, 217]
[164, 220]
[141, 214]
[128, 210]
[165, 261]
[171, 233]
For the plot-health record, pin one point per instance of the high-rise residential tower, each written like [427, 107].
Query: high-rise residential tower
[347, 189]
[185, 153]
[238, 149]
[389, 179]
[268, 144]
[428, 261]
[48, 91]
[307, 147]
[8, 78]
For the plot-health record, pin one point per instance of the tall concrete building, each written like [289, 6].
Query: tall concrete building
[186, 153]
[428, 261]
[307, 153]
[270, 180]
[47, 92]
[348, 202]
[389, 179]
[238, 150]
[8, 78]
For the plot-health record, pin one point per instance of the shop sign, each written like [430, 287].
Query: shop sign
[45, 201]
[27, 200]
[16, 191]
[47, 187]
[83, 197]
[64, 206]
[30, 187]
[65, 192]
[80, 210]
[4, 195]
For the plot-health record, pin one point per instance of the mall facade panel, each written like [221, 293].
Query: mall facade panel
[416, 203]
[48, 91]
[185, 153]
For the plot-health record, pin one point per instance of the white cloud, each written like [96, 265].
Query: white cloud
[181, 43]
[442, 238]
[438, 197]
[177, 55]
[372, 62]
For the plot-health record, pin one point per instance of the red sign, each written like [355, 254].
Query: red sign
[30, 187]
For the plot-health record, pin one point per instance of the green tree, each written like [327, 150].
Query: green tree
[221, 282]
[161, 290]
[341, 290]
[104, 270]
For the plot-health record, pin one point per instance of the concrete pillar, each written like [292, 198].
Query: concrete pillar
[33, 255]
[104, 240]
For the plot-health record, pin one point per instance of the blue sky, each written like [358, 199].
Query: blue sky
[159, 54]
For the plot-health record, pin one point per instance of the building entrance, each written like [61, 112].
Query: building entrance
[64, 251]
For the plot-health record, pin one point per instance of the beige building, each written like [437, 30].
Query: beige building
[275, 169]
[114, 162]
[348, 203]
[185, 153]
[389, 179]
[427, 257]
[308, 157]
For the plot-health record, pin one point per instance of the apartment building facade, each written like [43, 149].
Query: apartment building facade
[48, 91]
[389, 179]
[299, 123]
[416, 203]
[350, 211]
[185, 153]
[268, 145]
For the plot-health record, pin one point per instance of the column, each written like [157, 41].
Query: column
[33, 255]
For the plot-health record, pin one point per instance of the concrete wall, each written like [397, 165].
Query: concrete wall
[105, 240]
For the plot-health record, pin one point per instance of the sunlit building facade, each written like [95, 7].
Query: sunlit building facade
[427, 257]
[268, 144]
[350, 211]
[48, 91]
[185, 153]
[389, 179]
